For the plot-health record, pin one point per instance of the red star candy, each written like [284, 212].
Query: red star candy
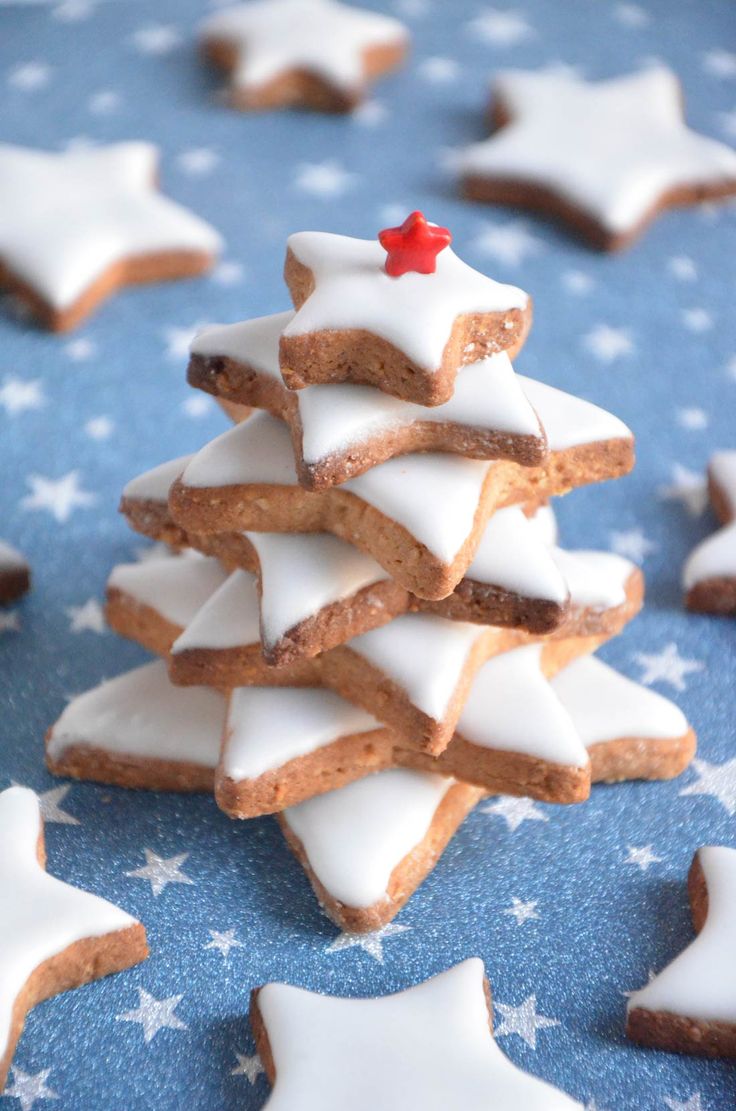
[414, 246]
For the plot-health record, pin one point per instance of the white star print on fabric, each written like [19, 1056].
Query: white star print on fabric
[50, 803]
[683, 268]
[514, 811]
[688, 487]
[667, 666]
[9, 621]
[324, 179]
[104, 102]
[632, 544]
[73, 11]
[198, 161]
[521, 911]
[608, 344]
[28, 1087]
[692, 1104]
[223, 942]
[510, 243]
[88, 617]
[197, 406]
[17, 395]
[99, 428]
[720, 63]
[81, 349]
[30, 76]
[438, 71]
[156, 39]
[642, 858]
[523, 1020]
[692, 418]
[154, 1014]
[370, 943]
[178, 340]
[370, 114]
[716, 780]
[578, 282]
[160, 871]
[228, 272]
[60, 496]
[697, 320]
[250, 1067]
[499, 27]
[631, 15]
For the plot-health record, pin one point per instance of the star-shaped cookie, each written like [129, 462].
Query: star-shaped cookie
[52, 936]
[604, 156]
[709, 575]
[15, 574]
[690, 1007]
[429, 1047]
[76, 226]
[312, 53]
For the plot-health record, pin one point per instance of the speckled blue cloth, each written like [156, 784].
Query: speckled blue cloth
[649, 334]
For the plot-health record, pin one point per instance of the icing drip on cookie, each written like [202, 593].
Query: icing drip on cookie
[253, 342]
[596, 580]
[228, 619]
[511, 555]
[267, 727]
[701, 983]
[175, 586]
[570, 421]
[416, 314]
[142, 714]
[40, 916]
[154, 485]
[604, 705]
[354, 837]
[611, 148]
[429, 1047]
[274, 37]
[66, 218]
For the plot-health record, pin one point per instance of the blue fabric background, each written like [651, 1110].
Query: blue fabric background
[603, 923]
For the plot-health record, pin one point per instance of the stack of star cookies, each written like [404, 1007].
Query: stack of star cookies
[365, 621]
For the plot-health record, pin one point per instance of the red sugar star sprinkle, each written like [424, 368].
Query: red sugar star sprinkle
[414, 246]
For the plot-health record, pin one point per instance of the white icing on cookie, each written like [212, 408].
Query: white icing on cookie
[321, 37]
[611, 148]
[701, 983]
[40, 916]
[255, 343]
[302, 573]
[11, 559]
[355, 836]
[715, 557]
[596, 580]
[229, 619]
[606, 706]
[175, 586]
[514, 556]
[255, 452]
[422, 654]
[154, 485]
[142, 714]
[415, 313]
[544, 522]
[266, 727]
[428, 1048]
[65, 218]
[512, 707]
[570, 421]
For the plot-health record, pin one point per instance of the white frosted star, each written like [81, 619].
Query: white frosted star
[154, 1014]
[693, 418]
[720, 63]
[156, 39]
[81, 349]
[521, 911]
[18, 394]
[691, 1104]
[682, 268]
[697, 320]
[500, 27]
[642, 858]
[228, 272]
[152, 551]
[223, 941]
[104, 102]
[370, 943]
[323, 179]
[608, 344]
[667, 666]
[631, 15]
[577, 281]
[510, 243]
[198, 161]
[30, 76]
[87, 617]
[9, 621]
[99, 428]
[28, 1087]
[716, 780]
[522, 1020]
[514, 811]
[249, 1066]
[160, 871]
[632, 544]
[60, 496]
[197, 406]
[438, 70]
[688, 487]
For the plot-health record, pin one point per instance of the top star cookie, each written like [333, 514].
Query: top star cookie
[313, 53]
[408, 334]
[604, 156]
[76, 226]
